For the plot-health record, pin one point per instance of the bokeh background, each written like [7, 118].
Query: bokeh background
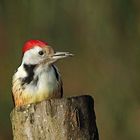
[104, 35]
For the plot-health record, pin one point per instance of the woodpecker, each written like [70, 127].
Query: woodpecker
[37, 78]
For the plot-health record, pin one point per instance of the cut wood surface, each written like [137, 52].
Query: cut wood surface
[56, 119]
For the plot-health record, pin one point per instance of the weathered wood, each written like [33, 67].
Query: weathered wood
[56, 119]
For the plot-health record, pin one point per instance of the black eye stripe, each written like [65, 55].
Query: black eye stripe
[40, 52]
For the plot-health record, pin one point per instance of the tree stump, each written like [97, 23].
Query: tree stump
[56, 119]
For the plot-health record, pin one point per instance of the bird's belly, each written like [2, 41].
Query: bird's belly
[46, 90]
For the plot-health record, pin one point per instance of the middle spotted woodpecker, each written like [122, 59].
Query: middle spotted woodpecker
[37, 78]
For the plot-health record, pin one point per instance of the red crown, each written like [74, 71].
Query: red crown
[31, 43]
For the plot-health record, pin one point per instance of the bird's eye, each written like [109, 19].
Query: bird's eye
[41, 52]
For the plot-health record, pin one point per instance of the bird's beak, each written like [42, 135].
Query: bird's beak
[60, 55]
[54, 56]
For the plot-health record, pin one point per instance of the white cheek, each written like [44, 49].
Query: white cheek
[32, 56]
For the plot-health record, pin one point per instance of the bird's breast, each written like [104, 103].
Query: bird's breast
[47, 82]
[45, 86]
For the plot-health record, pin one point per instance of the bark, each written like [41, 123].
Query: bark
[56, 119]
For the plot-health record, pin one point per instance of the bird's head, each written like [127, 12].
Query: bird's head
[39, 52]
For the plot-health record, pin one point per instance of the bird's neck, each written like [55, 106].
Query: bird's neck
[35, 69]
[38, 72]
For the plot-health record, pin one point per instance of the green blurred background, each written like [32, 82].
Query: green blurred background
[104, 35]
